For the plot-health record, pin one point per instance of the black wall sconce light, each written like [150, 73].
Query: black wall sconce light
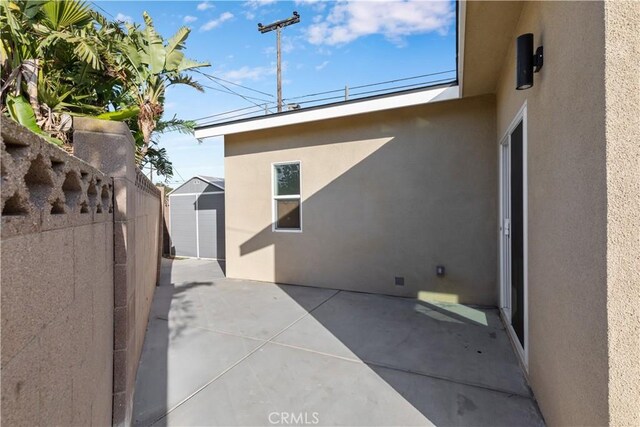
[527, 62]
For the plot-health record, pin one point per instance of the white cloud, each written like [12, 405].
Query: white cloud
[316, 5]
[248, 73]
[216, 22]
[254, 4]
[204, 5]
[124, 18]
[187, 19]
[321, 66]
[349, 20]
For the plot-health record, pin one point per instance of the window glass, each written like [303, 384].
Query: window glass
[286, 196]
[288, 214]
[287, 179]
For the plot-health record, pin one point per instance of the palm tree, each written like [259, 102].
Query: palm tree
[48, 52]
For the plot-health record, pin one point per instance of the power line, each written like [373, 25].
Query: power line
[99, 7]
[230, 90]
[231, 93]
[176, 171]
[235, 84]
[370, 84]
[334, 95]
[223, 114]
[403, 79]
[231, 117]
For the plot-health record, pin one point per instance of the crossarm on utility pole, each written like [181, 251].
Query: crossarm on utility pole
[278, 26]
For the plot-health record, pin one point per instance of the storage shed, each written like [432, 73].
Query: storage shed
[196, 211]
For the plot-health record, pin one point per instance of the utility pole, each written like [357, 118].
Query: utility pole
[278, 26]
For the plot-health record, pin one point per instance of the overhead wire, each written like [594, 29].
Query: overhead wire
[99, 7]
[403, 79]
[230, 90]
[257, 108]
[236, 84]
[370, 84]
[231, 93]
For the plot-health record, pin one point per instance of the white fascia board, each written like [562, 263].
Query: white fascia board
[331, 112]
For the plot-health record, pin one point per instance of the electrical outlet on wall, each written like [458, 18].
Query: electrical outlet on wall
[440, 270]
[399, 281]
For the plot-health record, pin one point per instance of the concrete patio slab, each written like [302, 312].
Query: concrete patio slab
[229, 352]
[249, 309]
[448, 341]
[278, 379]
[176, 363]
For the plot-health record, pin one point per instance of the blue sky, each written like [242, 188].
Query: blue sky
[337, 43]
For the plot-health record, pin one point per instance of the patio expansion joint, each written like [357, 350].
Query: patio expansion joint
[359, 361]
[221, 374]
[448, 379]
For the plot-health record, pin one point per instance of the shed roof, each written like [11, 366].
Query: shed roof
[217, 182]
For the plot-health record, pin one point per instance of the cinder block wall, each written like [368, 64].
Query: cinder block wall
[57, 285]
[81, 244]
[110, 147]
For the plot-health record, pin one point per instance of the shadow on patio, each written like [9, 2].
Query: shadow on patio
[230, 352]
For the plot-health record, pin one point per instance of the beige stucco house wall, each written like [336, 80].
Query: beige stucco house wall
[583, 161]
[384, 195]
[397, 192]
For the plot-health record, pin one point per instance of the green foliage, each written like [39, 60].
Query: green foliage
[61, 57]
[120, 115]
[20, 111]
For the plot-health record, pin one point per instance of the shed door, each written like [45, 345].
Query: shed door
[210, 211]
[183, 226]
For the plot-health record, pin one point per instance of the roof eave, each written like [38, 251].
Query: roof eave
[344, 109]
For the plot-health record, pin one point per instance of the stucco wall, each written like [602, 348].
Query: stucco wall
[622, 112]
[583, 208]
[57, 285]
[383, 195]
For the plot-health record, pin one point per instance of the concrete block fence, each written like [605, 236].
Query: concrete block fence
[80, 252]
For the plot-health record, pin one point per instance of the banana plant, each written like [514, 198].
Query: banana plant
[20, 111]
[155, 65]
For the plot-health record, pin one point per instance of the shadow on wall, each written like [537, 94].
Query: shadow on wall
[426, 197]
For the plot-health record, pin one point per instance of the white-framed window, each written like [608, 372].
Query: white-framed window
[287, 209]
